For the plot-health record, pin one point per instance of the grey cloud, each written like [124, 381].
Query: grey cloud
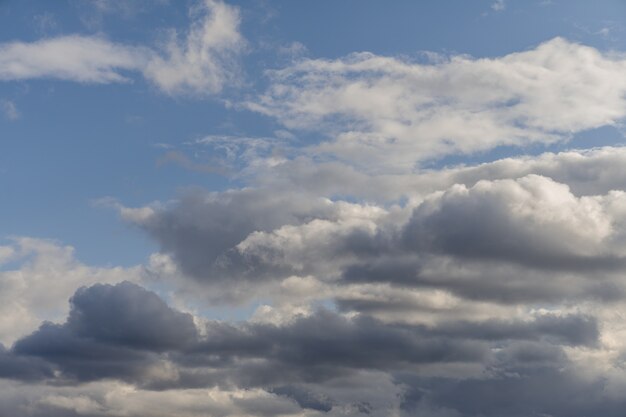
[129, 315]
[574, 330]
[25, 369]
[111, 332]
[201, 228]
[545, 391]
[516, 221]
[505, 226]
[474, 280]
[326, 345]
[305, 398]
[82, 359]
[496, 240]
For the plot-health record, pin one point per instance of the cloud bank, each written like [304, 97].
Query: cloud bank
[362, 282]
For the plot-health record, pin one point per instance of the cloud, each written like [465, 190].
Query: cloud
[123, 334]
[128, 333]
[9, 109]
[532, 220]
[203, 63]
[114, 399]
[498, 5]
[201, 228]
[473, 239]
[129, 315]
[41, 277]
[111, 331]
[377, 288]
[206, 60]
[74, 58]
[386, 114]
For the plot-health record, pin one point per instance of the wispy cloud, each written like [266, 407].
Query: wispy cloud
[202, 63]
[498, 5]
[9, 109]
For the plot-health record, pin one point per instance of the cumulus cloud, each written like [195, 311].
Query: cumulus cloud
[386, 114]
[533, 220]
[111, 331]
[41, 277]
[461, 239]
[201, 63]
[377, 288]
[201, 228]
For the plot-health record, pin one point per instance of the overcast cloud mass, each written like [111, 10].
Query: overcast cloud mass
[249, 209]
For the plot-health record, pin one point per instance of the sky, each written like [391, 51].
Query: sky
[289, 208]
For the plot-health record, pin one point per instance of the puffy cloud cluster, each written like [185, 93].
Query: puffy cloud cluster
[363, 285]
[503, 277]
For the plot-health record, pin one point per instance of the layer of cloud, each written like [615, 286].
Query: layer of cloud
[461, 239]
[293, 366]
[387, 114]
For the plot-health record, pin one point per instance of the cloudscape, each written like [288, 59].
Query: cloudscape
[280, 208]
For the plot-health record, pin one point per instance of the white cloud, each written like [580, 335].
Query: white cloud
[206, 60]
[10, 110]
[75, 58]
[387, 114]
[201, 64]
[498, 5]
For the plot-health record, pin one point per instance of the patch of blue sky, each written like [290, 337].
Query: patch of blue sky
[75, 143]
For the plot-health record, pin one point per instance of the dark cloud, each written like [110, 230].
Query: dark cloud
[571, 330]
[129, 315]
[489, 280]
[23, 368]
[326, 343]
[81, 358]
[546, 391]
[111, 332]
[124, 332]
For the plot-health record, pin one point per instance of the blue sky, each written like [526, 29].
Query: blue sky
[312, 208]
[75, 143]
